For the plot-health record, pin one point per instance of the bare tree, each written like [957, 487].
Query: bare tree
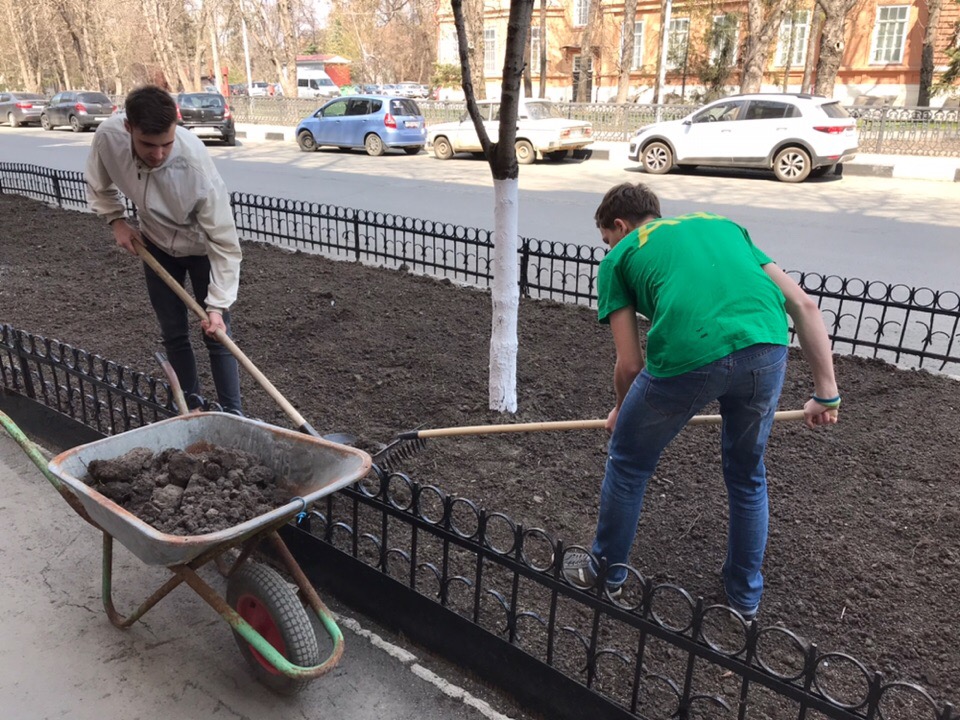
[813, 42]
[831, 43]
[542, 59]
[502, 156]
[763, 21]
[929, 48]
[589, 47]
[626, 49]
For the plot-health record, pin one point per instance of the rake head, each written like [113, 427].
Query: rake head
[392, 457]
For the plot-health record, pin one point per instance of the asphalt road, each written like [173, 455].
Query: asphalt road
[894, 231]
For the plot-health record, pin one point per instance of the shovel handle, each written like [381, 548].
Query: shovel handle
[225, 340]
[561, 425]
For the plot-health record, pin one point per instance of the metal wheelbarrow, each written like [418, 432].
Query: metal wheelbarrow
[271, 626]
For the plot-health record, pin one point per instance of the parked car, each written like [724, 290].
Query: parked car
[238, 89]
[21, 108]
[795, 135]
[372, 122]
[542, 130]
[80, 109]
[413, 90]
[207, 115]
[259, 89]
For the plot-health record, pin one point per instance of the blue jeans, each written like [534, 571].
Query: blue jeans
[172, 314]
[747, 383]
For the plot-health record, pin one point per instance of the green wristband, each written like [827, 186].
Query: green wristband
[830, 403]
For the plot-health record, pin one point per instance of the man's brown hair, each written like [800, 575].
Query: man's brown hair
[628, 202]
[151, 110]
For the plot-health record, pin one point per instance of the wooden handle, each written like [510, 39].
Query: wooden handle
[225, 340]
[562, 425]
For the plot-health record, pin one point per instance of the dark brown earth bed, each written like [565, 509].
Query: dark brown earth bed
[865, 521]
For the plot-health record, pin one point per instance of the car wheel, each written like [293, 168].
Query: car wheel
[526, 155]
[12, 120]
[230, 140]
[479, 155]
[442, 149]
[657, 158]
[373, 145]
[45, 123]
[791, 165]
[413, 150]
[75, 124]
[556, 155]
[306, 141]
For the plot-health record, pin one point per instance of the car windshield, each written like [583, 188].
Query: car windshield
[404, 107]
[92, 97]
[543, 110]
[835, 110]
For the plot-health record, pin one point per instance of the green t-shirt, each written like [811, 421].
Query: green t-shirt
[700, 280]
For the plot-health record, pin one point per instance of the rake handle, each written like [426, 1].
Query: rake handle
[561, 425]
[225, 340]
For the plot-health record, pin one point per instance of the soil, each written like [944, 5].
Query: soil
[864, 549]
[192, 492]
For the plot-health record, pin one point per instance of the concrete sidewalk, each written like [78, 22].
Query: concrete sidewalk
[63, 659]
[907, 167]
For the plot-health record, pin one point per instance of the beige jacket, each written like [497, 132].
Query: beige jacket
[183, 206]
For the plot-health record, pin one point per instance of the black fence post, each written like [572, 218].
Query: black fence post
[524, 266]
[57, 190]
[356, 234]
[24, 365]
[883, 122]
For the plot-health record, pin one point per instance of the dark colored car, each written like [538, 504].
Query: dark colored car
[80, 109]
[21, 108]
[208, 116]
[371, 122]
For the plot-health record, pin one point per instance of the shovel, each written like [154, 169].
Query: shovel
[409, 443]
[301, 424]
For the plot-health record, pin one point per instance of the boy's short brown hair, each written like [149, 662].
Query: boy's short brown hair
[628, 202]
[151, 110]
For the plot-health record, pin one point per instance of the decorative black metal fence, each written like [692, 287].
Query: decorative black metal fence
[911, 327]
[488, 592]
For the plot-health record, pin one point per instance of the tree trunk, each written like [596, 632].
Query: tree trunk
[587, 43]
[626, 57]
[813, 42]
[286, 9]
[16, 34]
[831, 43]
[527, 60]
[542, 60]
[473, 23]
[763, 21]
[929, 47]
[215, 51]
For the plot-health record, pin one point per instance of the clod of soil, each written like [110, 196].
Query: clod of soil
[189, 492]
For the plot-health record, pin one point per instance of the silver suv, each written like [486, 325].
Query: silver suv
[795, 135]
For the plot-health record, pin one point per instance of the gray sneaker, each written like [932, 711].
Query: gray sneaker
[579, 572]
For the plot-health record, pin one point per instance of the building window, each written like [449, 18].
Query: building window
[678, 36]
[581, 9]
[888, 34]
[637, 45]
[724, 37]
[449, 51]
[792, 42]
[490, 51]
[535, 48]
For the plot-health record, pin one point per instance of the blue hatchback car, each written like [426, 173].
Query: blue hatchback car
[372, 122]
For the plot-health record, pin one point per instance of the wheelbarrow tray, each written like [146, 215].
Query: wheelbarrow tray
[309, 467]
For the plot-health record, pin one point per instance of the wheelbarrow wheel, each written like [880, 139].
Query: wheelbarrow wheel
[264, 599]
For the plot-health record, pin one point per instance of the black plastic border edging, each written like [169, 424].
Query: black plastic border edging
[52, 429]
[380, 597]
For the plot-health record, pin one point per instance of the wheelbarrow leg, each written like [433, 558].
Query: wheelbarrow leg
[116, 618]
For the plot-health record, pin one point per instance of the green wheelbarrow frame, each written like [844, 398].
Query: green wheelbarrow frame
[183, 556]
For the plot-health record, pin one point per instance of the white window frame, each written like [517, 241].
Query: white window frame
[535, 47]
[894, 31]
[736, 41]
[490, 52]
[798, 25]
[638, 27]
[678, 31]
[581, 12]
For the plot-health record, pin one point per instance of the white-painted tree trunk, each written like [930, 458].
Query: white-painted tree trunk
[505, 294]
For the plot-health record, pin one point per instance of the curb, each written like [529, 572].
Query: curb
[864, 170]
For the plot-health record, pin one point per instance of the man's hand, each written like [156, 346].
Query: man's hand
[125, 234]
[815, 414]
[612, 420]
[213, 323]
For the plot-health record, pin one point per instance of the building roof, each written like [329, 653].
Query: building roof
[328, 59]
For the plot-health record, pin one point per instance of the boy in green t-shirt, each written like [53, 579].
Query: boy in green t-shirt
[718, 311]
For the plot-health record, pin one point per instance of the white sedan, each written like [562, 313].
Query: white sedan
[542, 130]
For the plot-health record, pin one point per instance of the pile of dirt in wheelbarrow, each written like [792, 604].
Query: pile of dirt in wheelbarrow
[864, 550]
[189, 493]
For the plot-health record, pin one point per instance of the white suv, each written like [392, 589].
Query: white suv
[796, 136]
